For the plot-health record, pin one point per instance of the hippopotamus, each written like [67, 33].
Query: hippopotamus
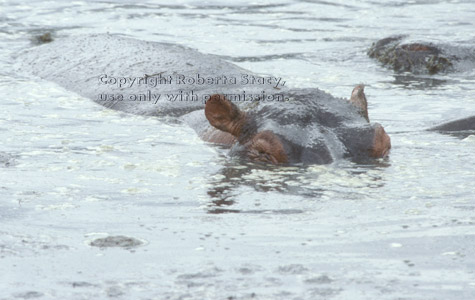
[461, 127]
[301, 130]
[404, 55]
[457, 125]
[258, 117]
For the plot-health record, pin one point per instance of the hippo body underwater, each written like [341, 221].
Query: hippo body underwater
[404, 55]
[254, 115]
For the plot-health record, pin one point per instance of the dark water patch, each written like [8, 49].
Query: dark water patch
[467, 207]
[195, 15]
[322, 279]
[256, 211]
[138, 7]
[414, 82]
[55, 247]
[328, 3]
[463, 134]
[292, 269]
[242, 8]
[114, 292]
[44, 34]
[325, 292]
[227, 22]
[275, 211]
[297, 55]
[405, 3]
[285, 41]
[7, 160]
[17, 245]
[194, 279]
[358, 39]
[316, 19]
[301, 29]
[249, 269]
[146, 15]
[217, 211]
[118, 241]
[29, 295]
[82, 284]
[290, 12]
[371, 164]
[196, 6]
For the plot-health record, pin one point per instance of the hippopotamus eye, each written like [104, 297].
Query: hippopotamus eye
[260, 156]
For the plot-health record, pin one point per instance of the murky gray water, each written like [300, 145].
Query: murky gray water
[191, 223]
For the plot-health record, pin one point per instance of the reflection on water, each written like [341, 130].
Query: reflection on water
[462, 134]
[238, 59]
[419, 82]
[313, 181]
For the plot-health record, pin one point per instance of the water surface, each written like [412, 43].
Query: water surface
[210, 227]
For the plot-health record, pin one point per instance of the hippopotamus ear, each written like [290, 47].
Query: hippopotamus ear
[358, 98]
[224, 115]
[262, 146]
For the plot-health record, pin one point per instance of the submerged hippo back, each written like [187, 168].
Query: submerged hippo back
[98, 66]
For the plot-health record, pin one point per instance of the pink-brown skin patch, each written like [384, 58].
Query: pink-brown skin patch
[265, 146]
[381, 143]
[224, 115]
[217, 136]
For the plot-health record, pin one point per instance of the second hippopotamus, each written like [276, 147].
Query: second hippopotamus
[405, 55]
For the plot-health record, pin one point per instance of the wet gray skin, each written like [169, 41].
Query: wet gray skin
[457, 125]
[313, 126]
[459, 128]
[404, 55]
[94, 65]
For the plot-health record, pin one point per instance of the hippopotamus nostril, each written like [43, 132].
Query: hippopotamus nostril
[266, 146]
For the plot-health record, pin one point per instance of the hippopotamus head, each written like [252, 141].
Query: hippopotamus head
[415, 57]
[312, 127]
